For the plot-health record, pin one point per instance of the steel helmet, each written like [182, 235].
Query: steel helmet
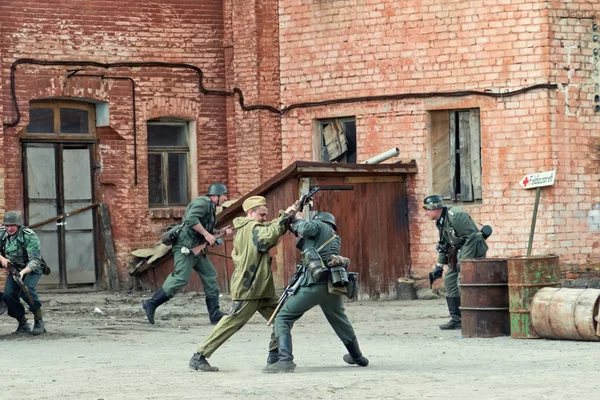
[326, 217]
[216, 189]
[13, 218]
[433, 202]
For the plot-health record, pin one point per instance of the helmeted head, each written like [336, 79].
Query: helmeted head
[220, 191]
[12, 218]
[256, 208]
[433, 202]
[327, 218]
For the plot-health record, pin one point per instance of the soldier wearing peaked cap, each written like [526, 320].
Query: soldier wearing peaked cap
[459, 239]
[21, 246]
[252, 286]
[198, 227]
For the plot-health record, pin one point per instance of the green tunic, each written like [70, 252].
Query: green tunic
[457, 228]
[252, 278]
[200, 211]
[314, 234]
[22, 248]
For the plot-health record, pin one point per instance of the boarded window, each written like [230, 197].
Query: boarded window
[455, 149]
[168, 154]
[336, 140]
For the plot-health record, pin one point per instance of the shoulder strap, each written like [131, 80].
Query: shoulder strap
[327, 242]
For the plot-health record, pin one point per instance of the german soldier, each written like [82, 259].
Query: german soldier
[459, 239]
[198, 227]
[252, 287]
[21, 246]
[320, 246]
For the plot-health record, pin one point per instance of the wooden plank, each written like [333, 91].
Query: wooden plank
[110, 262]
[475, 153]
[373, 179]
[440, 177]
[453, 166]
[466, 183]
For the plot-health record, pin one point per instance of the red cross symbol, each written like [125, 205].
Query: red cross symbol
[525, 181]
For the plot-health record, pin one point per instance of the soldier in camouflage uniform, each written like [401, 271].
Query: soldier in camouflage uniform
[319, 234]
[198, 228]
[459, 239]
[20, 245]
[252, 286]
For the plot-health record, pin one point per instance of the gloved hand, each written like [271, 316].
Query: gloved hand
[437, 273]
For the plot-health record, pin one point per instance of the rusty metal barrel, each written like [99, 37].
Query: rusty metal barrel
[564, 313]
[526, 276]
[484, 297]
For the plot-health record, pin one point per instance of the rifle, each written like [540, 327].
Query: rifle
[289, 291]
[13, 269]
[202, 247]
[299, 205]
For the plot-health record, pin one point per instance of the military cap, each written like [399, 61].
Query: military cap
[433, 202]
[216, 189]
[12, 218]
[253, 201]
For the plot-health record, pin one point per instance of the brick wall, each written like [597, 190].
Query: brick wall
[113, 31]
[341, 49]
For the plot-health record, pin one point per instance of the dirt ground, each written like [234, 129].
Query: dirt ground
[114, 353]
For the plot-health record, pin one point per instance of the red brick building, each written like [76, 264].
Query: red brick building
[139, 106]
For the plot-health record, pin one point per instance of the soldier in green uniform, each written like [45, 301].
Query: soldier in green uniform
[318, 236]
[252, 287]
[197, 228]
[20, 245]
[459, 239]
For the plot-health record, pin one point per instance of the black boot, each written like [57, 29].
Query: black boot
[273, 357]
[214, 311]
[3, 307]
[285, 361]
[199, 363]
[454, 309]
[23, 326]
[38, 324]
[354, 355]
[150, 306]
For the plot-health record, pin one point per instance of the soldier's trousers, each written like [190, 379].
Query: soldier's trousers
[241, 312]
[12, 293]
[308, 297]
[452, 282]
[180, 277]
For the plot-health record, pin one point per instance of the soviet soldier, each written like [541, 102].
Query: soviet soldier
[320, 246]
[21, 246]
[252, 286]
[197, 229]
[459, 239]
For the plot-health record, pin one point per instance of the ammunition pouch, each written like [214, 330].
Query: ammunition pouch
[170, 236]
[339, 276]
[45, 268]
[313, 263]
[352, 288]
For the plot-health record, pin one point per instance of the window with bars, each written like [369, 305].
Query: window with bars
[168, 159]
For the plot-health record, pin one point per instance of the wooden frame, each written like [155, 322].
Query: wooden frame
[318, 138]
[56, 105]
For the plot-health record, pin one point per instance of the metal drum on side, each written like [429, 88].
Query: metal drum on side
[565, 313]
[484, 297]
[526, 276]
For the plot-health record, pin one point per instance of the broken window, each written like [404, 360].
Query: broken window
[336, 140]
[455, 154]
[168, 153]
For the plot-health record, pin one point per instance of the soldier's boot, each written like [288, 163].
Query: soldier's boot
[3, 307]
[285, 361]
[273, 357]
[149, 306]
[214, 311]
[199, 363]
[23, 326]
[354, 355]
[455, 317]
[38, 323]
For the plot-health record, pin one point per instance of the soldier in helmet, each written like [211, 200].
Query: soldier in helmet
[198, 228]
[21, 246]
[320, 246]
[459, 239]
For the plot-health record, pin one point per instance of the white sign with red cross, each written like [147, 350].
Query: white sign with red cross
[537, 180]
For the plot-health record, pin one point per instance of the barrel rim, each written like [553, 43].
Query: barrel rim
[482, 260]
[543, 256]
